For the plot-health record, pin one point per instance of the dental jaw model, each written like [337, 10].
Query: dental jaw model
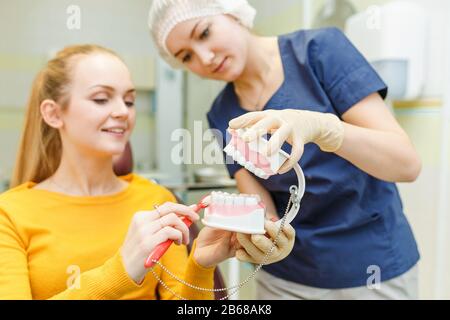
[243, 213]
[249, 156]
[238, 213]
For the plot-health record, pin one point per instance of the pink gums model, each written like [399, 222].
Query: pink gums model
[258, 159]
[250, 155]
[234, 210]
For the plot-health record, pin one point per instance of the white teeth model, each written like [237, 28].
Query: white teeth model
[251, 201]
[276, 160]
[266, 167]
[239, 201]
[229, 201]
[239, 213]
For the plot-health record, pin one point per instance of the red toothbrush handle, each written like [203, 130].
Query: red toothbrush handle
[162, 248]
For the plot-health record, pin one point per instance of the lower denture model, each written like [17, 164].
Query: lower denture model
[238, 213]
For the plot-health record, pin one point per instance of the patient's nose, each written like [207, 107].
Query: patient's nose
[121, 110]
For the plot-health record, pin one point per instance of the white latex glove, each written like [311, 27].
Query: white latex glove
[255, 247]
[297, 127]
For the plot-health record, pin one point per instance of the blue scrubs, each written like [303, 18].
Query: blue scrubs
[348, 221]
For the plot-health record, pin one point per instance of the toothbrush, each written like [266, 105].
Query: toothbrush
[159, 251]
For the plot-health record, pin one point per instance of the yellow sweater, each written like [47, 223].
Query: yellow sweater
[48, 239]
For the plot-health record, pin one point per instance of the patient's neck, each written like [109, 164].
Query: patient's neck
[84, 175]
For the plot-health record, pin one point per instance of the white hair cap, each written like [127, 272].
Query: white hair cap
[164, 15]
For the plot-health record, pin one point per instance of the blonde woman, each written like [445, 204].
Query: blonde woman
[69, 227]
[314, 90]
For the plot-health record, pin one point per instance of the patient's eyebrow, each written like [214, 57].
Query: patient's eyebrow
[109, 88]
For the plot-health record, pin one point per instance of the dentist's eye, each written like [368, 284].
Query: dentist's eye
[100, 101]
[205, 34]
[187, 58]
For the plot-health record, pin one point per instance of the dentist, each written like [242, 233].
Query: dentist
[315, 91]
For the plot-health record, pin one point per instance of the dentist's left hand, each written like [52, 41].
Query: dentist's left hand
[255, 247]
[297, 127]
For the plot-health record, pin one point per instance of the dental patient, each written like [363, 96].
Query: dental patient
[69, 227]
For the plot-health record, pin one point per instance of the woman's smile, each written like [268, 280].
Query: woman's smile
[222, 67]
[118, 132]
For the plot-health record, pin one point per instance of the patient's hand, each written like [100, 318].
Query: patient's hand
[150, 228]
[214, 246]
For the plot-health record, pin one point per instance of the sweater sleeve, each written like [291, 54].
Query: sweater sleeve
[108, 281]
[177, 261]
[14, 280]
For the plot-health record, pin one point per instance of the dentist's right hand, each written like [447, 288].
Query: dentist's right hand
[297, 127]
[150, 228]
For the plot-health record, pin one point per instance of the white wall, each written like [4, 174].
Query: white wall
[30, 30]
[425, 199]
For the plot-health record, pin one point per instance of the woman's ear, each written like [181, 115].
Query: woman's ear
[51, 113]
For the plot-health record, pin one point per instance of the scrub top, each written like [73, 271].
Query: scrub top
[351, 228]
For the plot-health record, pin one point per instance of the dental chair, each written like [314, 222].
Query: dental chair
[123, 165]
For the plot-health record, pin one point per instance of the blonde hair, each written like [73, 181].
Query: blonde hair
[40, 148]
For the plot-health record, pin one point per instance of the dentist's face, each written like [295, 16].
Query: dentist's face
[101, 115]
[213, 47]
